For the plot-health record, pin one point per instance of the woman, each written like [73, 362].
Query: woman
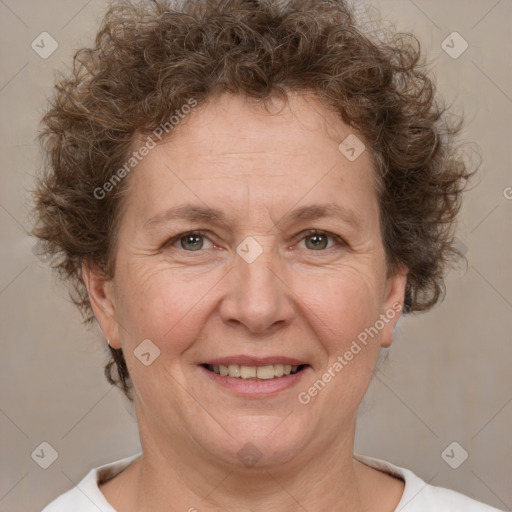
[246, 196]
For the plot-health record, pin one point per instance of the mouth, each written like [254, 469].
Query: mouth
[255, 373]
[255, 378]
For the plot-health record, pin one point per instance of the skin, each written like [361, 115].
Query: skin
[294, 300]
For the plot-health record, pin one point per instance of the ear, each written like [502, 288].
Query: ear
[101, 296]
[393, 305]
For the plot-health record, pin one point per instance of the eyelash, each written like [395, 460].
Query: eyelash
[300, 237]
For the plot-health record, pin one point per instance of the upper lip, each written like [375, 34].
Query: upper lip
[254, 361]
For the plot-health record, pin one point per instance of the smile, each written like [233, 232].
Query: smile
[265, 372]
[255, 376]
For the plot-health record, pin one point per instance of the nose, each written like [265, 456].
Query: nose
[258, 296]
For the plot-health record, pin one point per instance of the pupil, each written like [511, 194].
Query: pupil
[318, 240]
[190, 239]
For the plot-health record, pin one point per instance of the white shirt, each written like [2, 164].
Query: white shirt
[418, 496]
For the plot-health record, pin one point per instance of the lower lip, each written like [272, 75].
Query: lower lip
[256, 388]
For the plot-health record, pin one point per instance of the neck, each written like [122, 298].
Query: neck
[181, 476]
[215, 489]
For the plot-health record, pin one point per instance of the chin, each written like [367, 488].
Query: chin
[256, 442]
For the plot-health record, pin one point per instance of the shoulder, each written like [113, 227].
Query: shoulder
[86, 495]
[419, 496]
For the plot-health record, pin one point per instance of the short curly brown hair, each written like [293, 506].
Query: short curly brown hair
[149, 59]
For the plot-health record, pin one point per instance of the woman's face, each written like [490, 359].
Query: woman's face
[253, 284]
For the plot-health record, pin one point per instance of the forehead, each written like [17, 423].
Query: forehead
[233, 151]
[234, 125]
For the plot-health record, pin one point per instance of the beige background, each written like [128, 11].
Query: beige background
[448, 376]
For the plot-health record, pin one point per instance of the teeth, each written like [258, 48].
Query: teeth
[266, 372]
[248, 372]
[234, 370]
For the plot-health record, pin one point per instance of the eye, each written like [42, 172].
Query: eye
[318, 240]
[191, 241]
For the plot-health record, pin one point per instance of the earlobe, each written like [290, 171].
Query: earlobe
[102, 300]
[393, 305]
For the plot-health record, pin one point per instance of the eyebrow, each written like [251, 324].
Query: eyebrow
[193, 213]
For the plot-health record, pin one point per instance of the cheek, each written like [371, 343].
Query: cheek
[341, 304]
[158, 303]
[348, 306]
